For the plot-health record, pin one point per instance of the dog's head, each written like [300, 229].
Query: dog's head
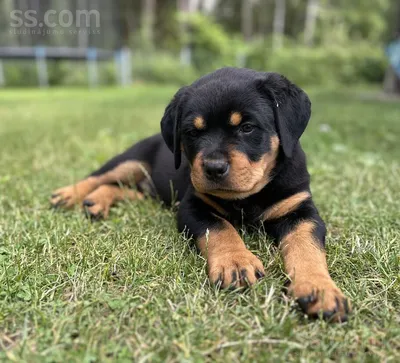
[231, 125]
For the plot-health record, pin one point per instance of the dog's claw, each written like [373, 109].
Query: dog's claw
[234, 277]
[87, 203]
[60, 203]
[346, 306]
[306, 300]
[218, 282]
[259, 274]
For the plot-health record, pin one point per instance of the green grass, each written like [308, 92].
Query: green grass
[132, 288]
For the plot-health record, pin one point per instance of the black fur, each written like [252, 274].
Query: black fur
[268, 101]
[292, 111]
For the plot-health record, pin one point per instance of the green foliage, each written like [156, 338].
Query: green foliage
[356, 63]
[212, 47]
[20, 73]
[60, 73]
[162, 68]
[360, 20]
[348, 41]
[359, 63]
[76, 73]
[153, 67]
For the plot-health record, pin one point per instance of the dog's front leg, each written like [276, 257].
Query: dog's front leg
[230, 263]
[301, 236]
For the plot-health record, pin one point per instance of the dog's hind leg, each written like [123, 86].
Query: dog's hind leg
[98, 203]
[121, 170]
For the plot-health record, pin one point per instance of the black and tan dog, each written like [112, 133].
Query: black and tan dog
[236, 159]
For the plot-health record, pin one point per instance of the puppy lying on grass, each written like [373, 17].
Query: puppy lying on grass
[229, 151]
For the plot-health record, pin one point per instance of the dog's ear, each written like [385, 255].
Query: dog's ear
[171, 125]
[292, 109]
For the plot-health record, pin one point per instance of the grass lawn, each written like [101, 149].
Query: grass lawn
[133, 288]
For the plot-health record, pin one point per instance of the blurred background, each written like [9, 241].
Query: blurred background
[100, 42]
[82, 80]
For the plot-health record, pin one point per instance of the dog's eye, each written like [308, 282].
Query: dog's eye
[193, 133]
[246, 128]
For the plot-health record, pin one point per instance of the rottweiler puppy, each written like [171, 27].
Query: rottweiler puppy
[229, 153]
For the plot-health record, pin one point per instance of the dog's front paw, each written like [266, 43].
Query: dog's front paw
[235, 268]
[319, 296]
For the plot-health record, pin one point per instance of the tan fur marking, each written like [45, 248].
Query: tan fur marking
[107, 195]
[305, 264]
[70, 195]
[245, 177]
[227, 256]
[129, 172]
[285, 206]
[199, 123]
[301, 253]
[211, 203]
[236, 119]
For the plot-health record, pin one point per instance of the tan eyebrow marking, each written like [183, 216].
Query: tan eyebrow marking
[236, 119]
[199, 123]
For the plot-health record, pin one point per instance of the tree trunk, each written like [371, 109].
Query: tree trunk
[208, 6]
[148, 20]
[264, 7]
[279, 24]
[83, 34]
[311, 19]
[187, 7]
[129, 22]
[247, 19]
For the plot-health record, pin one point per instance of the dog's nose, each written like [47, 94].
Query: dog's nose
[215, 169]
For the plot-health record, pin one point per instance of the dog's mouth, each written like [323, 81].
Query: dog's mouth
[232, 193]
[240, 185]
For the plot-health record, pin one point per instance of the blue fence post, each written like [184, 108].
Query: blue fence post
[41, 67]
[91, 56]
[393, 53]
[127, 66]
[123, 66]
[117, 56]
[186, 55]
[2, 78]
